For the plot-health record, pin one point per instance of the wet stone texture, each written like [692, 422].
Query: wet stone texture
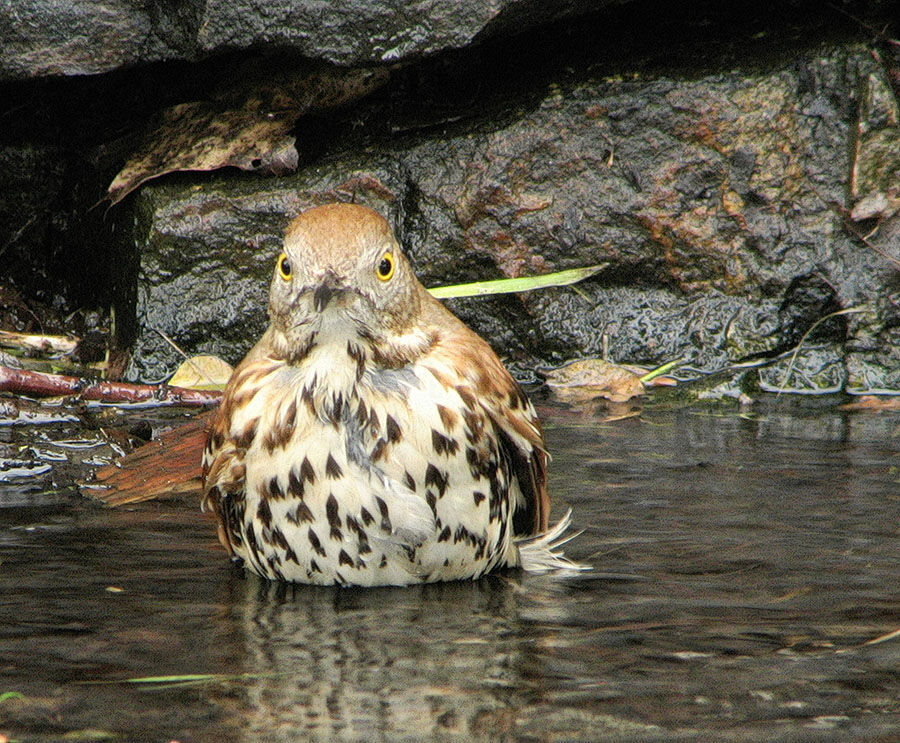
[46, 37]
[717, 200]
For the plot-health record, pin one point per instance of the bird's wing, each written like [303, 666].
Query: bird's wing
[480, 377]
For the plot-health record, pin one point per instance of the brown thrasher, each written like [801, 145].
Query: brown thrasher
[369, 437]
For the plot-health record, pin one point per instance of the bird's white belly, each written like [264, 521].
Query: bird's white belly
[383, 496]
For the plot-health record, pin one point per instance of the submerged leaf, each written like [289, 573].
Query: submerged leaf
[588, 379]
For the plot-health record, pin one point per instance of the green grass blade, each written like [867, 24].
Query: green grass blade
[660, 370]
[177, 679]
[521, 284]
[186, 679]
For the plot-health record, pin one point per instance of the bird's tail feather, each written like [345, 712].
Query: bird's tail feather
[541, 553]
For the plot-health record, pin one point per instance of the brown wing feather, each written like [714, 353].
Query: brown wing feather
[508, 407]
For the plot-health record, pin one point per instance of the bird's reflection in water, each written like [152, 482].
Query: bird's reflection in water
[383, 663]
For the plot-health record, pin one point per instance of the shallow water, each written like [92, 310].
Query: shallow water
[741, 564]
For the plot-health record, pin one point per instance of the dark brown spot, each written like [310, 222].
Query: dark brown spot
[314, 566]
[385, 517]
[481, 545]
[345, 559]
[301, 514]
[474, 426]
[337, 409]
[442, 378]
[279, 539]
[362, 415]
[378, 450]
[275, 489]
[464, 535]
[436, 477]
[353, 524]
[483, 383]
[307, 473]
[359, 356]
[245, 437]
[497, 495]
[478, 497]
[280, 434]
[333, 469]
[513, 398]
[215, 442]
[264, 513]
[392, 430]
[444, 535]
[315, 543]
[289, 554]
[251, 541]
[334, 519]
[448, 417]
[306, 395]
[295, 484]
[383, 563]
[431, 500]
[410, 482]
[367, 518]
[443, 444]
[467, 397]
[374, 425]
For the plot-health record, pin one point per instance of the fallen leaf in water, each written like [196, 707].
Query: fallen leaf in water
[588, 379]
[873, 402]
[202, 372]
[245, 124]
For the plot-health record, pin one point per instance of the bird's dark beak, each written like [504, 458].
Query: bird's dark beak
[326, 290]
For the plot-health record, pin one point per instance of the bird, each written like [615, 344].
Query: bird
[370, 437]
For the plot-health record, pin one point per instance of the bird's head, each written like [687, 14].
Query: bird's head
[342, 274]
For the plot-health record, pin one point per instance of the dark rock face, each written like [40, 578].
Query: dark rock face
[47, 37]
[738, 179]
[711, 198]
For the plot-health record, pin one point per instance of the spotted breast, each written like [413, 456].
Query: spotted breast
[370, 438]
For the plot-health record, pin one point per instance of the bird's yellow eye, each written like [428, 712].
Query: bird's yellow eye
[386, 266]
[284, 267]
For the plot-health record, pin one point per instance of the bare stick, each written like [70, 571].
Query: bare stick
[39, 384]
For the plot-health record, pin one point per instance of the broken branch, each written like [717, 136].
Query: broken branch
[39, 384]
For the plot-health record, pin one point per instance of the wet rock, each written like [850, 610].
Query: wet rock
[44, 37]
[717, 199]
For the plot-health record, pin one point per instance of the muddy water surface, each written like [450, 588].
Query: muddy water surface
[742, 564]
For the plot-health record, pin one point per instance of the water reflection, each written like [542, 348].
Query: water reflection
[742, 564]
[392, 662]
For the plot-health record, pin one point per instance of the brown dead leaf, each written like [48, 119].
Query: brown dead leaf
[245, 124]
[873, 402]
[198, 136]
[588, 379]
[203, 372]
